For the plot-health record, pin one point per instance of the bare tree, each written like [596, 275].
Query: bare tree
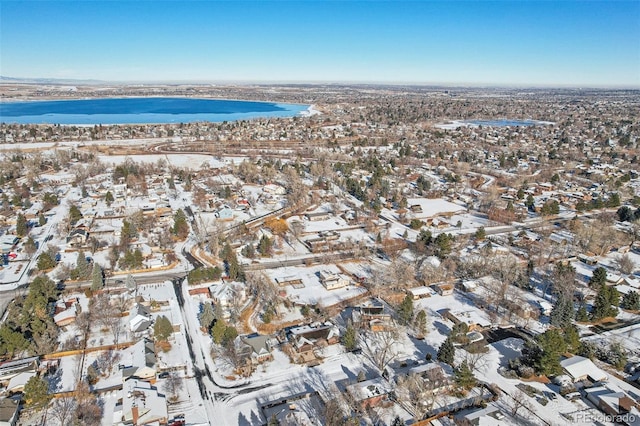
[517, 401]
[477, 361]
[173, 385]
[381, 347]
[106, 361]
[297, 228]
[265, 290]
[63, 410]
[625, 264]
[419, 392]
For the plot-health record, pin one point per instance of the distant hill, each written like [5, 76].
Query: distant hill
[4, 79]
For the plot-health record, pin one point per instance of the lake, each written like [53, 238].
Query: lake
[141, 111]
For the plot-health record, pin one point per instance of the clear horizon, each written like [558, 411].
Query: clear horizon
[501, 44]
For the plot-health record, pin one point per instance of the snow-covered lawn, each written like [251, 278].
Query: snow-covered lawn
[311, 291]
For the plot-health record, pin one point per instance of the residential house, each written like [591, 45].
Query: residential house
[65, 312]
[474, 321]
[77, 237]
[615, 402]
[274, 189]
[226, 293]
[142, 361]
[254, 349]
[139, 318]
[9, 408]
[580, 368]
[489, 415]
[370, 393]
[372, 316]
[140, 404]
[436, 377]
[10, 369]
[420, 292]
[16, 383]
[304, 340]
[332, 281]
[224, 213]
[444, 289]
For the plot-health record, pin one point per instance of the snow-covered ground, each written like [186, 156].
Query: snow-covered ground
[311, 291]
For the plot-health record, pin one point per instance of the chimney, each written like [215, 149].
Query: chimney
[134, 413]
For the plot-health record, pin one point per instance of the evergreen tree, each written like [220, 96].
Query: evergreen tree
[11, 341]
[446, 352]
[405, 311]
[180, 225]
[36, 393]
[625, 214]
[463, 376]
[230, 333]
[137, 258]
[207, 316]
[599, 277]
[45, 261]
[421, 323]
[572, 338]
[530, 202]
[614, 200]
[273, 421]
[162, 329]
[108, 198]
[443, 243]
[82, 266]
[30, 246]
[480, 234]
[606, 303]
[74, 214]
[543, 353]
[582, 315]
[350, 338]
[217, 331]
[562, 313]
[21, 225]
[551, 207]
[423, 240]
[42, 220]
[127, 233]
[232, 267]
[97, 277]
[264, 246]
[631, 301]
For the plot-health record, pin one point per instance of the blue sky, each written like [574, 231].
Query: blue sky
[578, 43]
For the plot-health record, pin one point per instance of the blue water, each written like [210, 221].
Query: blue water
[141, 111]
[503, 123]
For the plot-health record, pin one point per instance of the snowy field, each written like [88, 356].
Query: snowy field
[187, 161]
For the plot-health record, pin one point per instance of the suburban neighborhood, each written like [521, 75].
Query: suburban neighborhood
[394, 256]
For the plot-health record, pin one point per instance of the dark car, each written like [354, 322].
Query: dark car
[163, 375]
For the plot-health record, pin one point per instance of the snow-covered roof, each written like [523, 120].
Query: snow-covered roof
[18, 381]
[579, 367]
[369, 388]
[140, 395]
[421, 291]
